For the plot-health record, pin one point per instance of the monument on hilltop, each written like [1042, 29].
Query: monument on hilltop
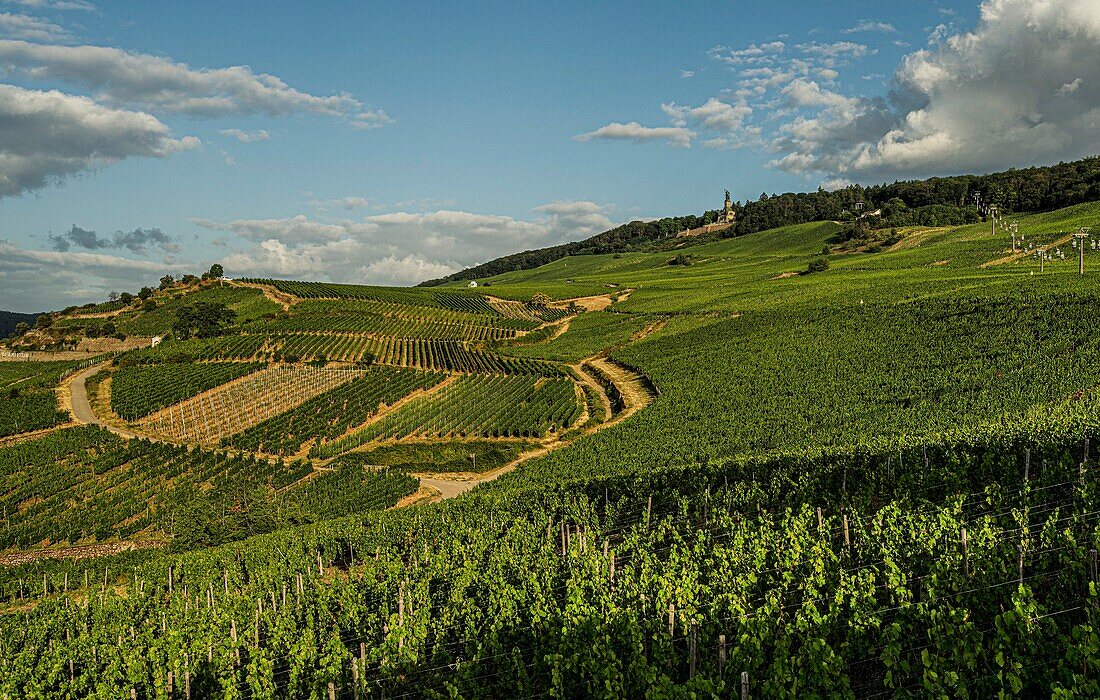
[728, 215]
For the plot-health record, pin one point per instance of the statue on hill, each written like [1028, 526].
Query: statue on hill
[728, 215]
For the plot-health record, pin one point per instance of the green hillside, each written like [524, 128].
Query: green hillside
[840, 472]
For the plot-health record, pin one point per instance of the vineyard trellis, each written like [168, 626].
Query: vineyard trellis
[214, 415]
[495, 406]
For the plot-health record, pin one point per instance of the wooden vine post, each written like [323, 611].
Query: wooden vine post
[721, 655]
[965, 556]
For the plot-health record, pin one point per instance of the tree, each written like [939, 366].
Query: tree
[540, 299]
[145, 293]
[22, 327]
[167, 281]
[43, 321]
[818, 264]
[112, 295]
[202, 319]
[189, 280]
[217, 271]
[126, 298]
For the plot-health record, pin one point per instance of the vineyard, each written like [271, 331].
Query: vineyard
[83, 485]
[383, 325]
[475, 406]
[140, 390]
[881, 479]
[27, 400]
[214, 415]
[453, 300]
[446, 355]
[332, 413]
[701, 580]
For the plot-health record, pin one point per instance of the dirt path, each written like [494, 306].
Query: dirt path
[560, 328]
[649, 330]
[596, 302]
[632, 385]
[81, 407]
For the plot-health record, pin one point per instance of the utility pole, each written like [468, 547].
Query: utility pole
[1014, 228]
[993, 218]
[1081, 235]
[1042, 258]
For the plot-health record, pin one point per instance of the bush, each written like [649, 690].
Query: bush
[819, 264]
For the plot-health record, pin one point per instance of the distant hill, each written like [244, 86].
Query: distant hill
[938, 201]
[632, 236]
[8, 320]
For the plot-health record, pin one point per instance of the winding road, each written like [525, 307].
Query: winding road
[82, 407]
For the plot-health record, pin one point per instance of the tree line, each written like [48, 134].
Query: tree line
[937, 201]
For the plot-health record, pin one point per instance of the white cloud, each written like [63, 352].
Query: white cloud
[1013, 90]
[869, 26]
[159, 84]
[400, 247]
[246, 136]
[687, 74]
[713, 114]
[978, 100]
[408, 270]
[47, 136]
[678, 137]
[372, 119]
[54, 4]
[836, 52]
[16, 26]
[1069, 88]
[737, 118]
[753, 53]
[347, 203]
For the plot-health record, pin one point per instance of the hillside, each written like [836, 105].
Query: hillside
[10, 319]
[642, 472]
[936, 201]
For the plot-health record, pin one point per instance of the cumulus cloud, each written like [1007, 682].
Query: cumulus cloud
[246, 136]
[46, 136]
[36, 280]
[135, 241]
[16, 26]
[979, 100]
[676, 136]
[399, 247]
[158, 84]
[1013, 90]
[408, 270]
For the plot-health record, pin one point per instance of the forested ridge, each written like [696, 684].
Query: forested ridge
[937, 201]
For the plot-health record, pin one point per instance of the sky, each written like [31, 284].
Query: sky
[388, 143]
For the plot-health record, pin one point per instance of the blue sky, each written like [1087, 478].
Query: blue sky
[392, 142]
